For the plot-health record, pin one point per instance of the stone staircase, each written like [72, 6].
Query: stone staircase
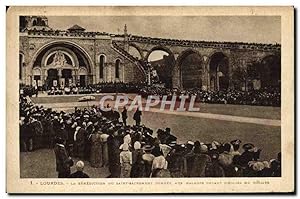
[128, 56]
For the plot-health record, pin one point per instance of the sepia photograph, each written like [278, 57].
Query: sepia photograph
[152, 96]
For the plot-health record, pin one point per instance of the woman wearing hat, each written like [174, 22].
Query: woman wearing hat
[148, 159]
[96, 149]
[104, 146]
[159, 168]
[125, 161]
[138, 166]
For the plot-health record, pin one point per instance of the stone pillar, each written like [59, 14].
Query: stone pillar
[230, 71]
[217, 80]
[208, 76]
[73, 77]
[205, 74]
[108, 72]
[60, 81]
[76, 77]
[176, 77]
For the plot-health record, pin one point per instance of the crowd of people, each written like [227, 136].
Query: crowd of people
[104, 139]
[264, 97]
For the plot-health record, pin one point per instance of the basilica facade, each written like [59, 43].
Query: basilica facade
[75, 56]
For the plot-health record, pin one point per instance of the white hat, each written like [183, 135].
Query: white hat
[79, 165]
[89, 124]
[137, 145]
[125, 147]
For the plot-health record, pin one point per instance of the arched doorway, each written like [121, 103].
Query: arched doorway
[52, 78]
[219, 72]
[82, 77]
[36, 77]
[162, 63]
[270, 71]
[67, 76]
[66, 59]
[190, 63]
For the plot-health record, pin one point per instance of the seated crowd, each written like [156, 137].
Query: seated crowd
[262, 97]
[100, 138]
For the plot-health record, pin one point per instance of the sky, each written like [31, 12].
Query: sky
[257, 29]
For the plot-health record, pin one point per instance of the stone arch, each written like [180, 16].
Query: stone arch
[162, 48]
[88, 58]
[101, 60]
[117, 68]
[218, 71]
[36, 76]
[191, 75]
[82, 58]
[67, 51]
[162, 69]
[270, 70]
[138, 49]
[82, 71]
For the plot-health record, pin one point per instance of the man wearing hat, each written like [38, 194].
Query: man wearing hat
[37, 131]
[79, 142]
[214, 169]
[124, 116]
[63, 161]
[113, 143]
[175, 159]
[137, 117]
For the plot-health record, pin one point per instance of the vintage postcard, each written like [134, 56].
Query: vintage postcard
[150, 100]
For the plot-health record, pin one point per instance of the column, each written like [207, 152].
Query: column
[217, 79]
[230, 70]
[73, 77]
[208, 77]
[60, 77]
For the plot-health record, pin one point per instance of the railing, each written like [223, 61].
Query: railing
[128, 56]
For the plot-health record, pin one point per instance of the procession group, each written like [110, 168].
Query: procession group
[104, 139]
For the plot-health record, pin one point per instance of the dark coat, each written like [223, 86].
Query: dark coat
[137, 116]
[79, 144]
[113, 144]
[196, 165]
[63, 162]
[124, 114]
[79, 174]
[214, 170]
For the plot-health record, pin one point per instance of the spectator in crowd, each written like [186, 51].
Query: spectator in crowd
[124, 116]
[63, 161]
[160, 168]
[148, 158]
[79, 173]
[96, 157]
[138, 166]
[104, 147]
[106, 136]
[125, 161]
[137, 117]
[113, 143]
